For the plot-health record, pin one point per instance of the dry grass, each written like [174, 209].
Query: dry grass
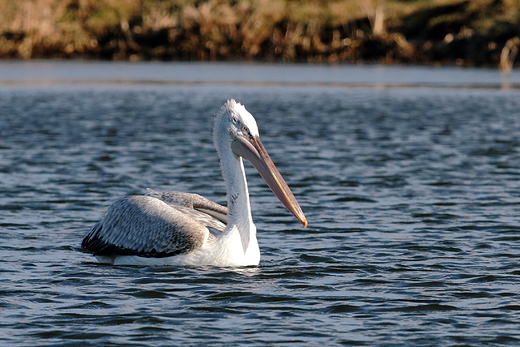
[282, 30]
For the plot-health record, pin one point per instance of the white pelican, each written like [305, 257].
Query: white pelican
[173, 228]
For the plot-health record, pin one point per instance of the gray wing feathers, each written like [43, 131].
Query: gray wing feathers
[196, 206]
[146, 226]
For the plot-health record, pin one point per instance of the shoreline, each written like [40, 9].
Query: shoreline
[479, 33]
[38, 73]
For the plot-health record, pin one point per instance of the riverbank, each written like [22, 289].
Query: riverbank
[438, 32]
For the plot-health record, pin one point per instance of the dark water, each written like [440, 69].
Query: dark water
[412, 194]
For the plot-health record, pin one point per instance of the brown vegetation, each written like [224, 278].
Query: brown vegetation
[408, 31]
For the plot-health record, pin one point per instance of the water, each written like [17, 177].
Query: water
[411, 188]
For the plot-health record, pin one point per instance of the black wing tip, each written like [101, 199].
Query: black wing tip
[97, 246]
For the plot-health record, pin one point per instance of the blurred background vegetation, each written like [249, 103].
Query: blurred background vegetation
[462, 32]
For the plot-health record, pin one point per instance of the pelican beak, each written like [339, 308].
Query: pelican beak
[253, 150]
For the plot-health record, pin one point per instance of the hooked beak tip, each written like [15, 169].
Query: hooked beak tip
[252, 149]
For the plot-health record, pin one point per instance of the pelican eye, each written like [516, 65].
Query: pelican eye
[245, 129]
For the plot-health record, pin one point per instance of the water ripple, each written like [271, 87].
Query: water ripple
[412, 197]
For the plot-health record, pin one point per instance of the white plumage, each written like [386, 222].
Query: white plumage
[174, 228]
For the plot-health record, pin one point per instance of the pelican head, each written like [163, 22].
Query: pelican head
[244, 140]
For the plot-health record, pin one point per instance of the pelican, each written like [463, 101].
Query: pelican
[174, 228]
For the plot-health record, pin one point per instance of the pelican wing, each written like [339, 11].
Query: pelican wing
[199, 208]
[145, 226]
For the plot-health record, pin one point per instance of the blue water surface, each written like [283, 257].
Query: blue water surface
[411, 186]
